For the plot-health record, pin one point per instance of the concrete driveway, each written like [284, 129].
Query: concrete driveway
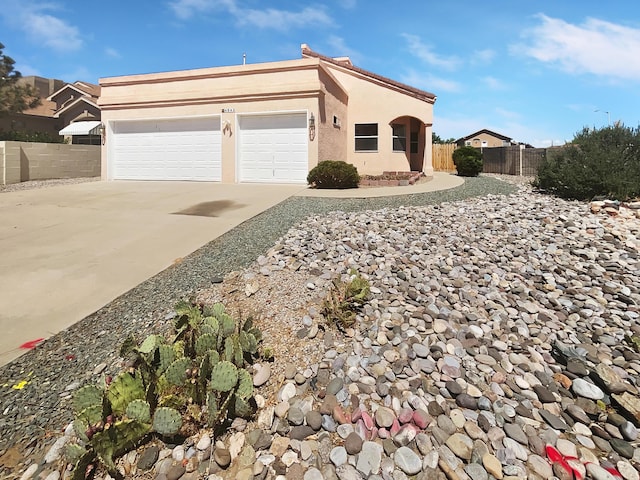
[68, 250]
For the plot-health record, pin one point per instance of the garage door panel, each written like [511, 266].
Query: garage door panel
[180, 149]
[273, 148]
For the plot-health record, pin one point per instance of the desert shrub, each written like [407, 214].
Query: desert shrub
[604, 162]
[345, 299]
[333, 174]
[468, 161]
[22, 136]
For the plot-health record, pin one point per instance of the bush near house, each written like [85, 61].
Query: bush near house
[37, 137]
[604, 162]
[333, 174]
[468, 161]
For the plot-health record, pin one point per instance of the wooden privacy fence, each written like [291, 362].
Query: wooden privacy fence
[504, 160]
[443, 157]
[513, 160]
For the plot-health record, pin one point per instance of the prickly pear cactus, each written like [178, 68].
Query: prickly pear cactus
[248, 342]
[167, 421]
[87, 396]
[245, 384]
[114, 441]
[227, 325]
[210, 325]
[139, 410]
[150, 344]
[206, 342]
[176, 374]
[224, 376]
[166, 356]
[125, 388]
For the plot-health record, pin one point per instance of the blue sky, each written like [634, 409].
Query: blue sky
[534, 71]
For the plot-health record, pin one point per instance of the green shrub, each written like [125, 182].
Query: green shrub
[333, 174]
[468, 161]
[604, 162]
[38, 137]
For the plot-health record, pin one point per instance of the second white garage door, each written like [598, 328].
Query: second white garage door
[273, 148]
[176, 149]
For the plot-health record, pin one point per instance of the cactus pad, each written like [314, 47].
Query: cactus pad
[80, 427]
[167, 356]
[74, 452]
[212, 408]
[241, 407]
[125, 388]
[224, 376]
[150, 343]
[217, 310]
[167, 421]
[205, 342]
[91, 415]
[87, 396]
[245, 384]
[139, 410]
[210, 325]
[176, 373]
[116, 440]
[227, 324]
[248, 342]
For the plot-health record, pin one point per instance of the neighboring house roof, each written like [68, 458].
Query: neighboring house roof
[46, 108]
[345, 63]
[77, 101]
[488, 132]
[81, 87]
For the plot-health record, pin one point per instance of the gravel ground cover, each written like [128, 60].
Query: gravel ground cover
[35, 389]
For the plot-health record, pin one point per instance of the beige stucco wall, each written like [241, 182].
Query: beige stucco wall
[264, 88]
[370, 102]
[306, 85]
[22, 161]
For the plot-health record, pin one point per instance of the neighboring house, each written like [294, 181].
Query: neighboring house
[61, 104]
[265, 122]
[77, 108]
[40, 118]
[485, 139]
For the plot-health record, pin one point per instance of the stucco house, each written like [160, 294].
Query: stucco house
[265, 122]
[485, 139]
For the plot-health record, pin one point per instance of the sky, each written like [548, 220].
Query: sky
[536, 71]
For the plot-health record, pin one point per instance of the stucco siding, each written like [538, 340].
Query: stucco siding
[332, 138]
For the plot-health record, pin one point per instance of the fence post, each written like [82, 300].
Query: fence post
[521, 148]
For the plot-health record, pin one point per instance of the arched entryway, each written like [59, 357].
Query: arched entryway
[410, 139]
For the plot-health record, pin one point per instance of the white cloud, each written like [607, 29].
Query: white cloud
[112, 52]
[282, 19]
[340, 49]
[509, 114]
[430, 82]
[427, 55]
[493, 83]
[595, 47]
[348, 4]
[262, 18]
[42, 27]
[483, 57]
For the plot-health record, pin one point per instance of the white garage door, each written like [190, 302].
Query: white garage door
[273, 148]
[177, 149]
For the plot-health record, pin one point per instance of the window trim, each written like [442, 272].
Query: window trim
[365, 137]
[396, 136]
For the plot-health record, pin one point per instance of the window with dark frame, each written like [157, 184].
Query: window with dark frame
[366, 137]
[399, 137]
[414, 142]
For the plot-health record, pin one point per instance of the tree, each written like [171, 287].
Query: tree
[14, 96]
[435, 138]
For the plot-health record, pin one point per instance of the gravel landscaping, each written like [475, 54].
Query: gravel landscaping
[495, 344]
